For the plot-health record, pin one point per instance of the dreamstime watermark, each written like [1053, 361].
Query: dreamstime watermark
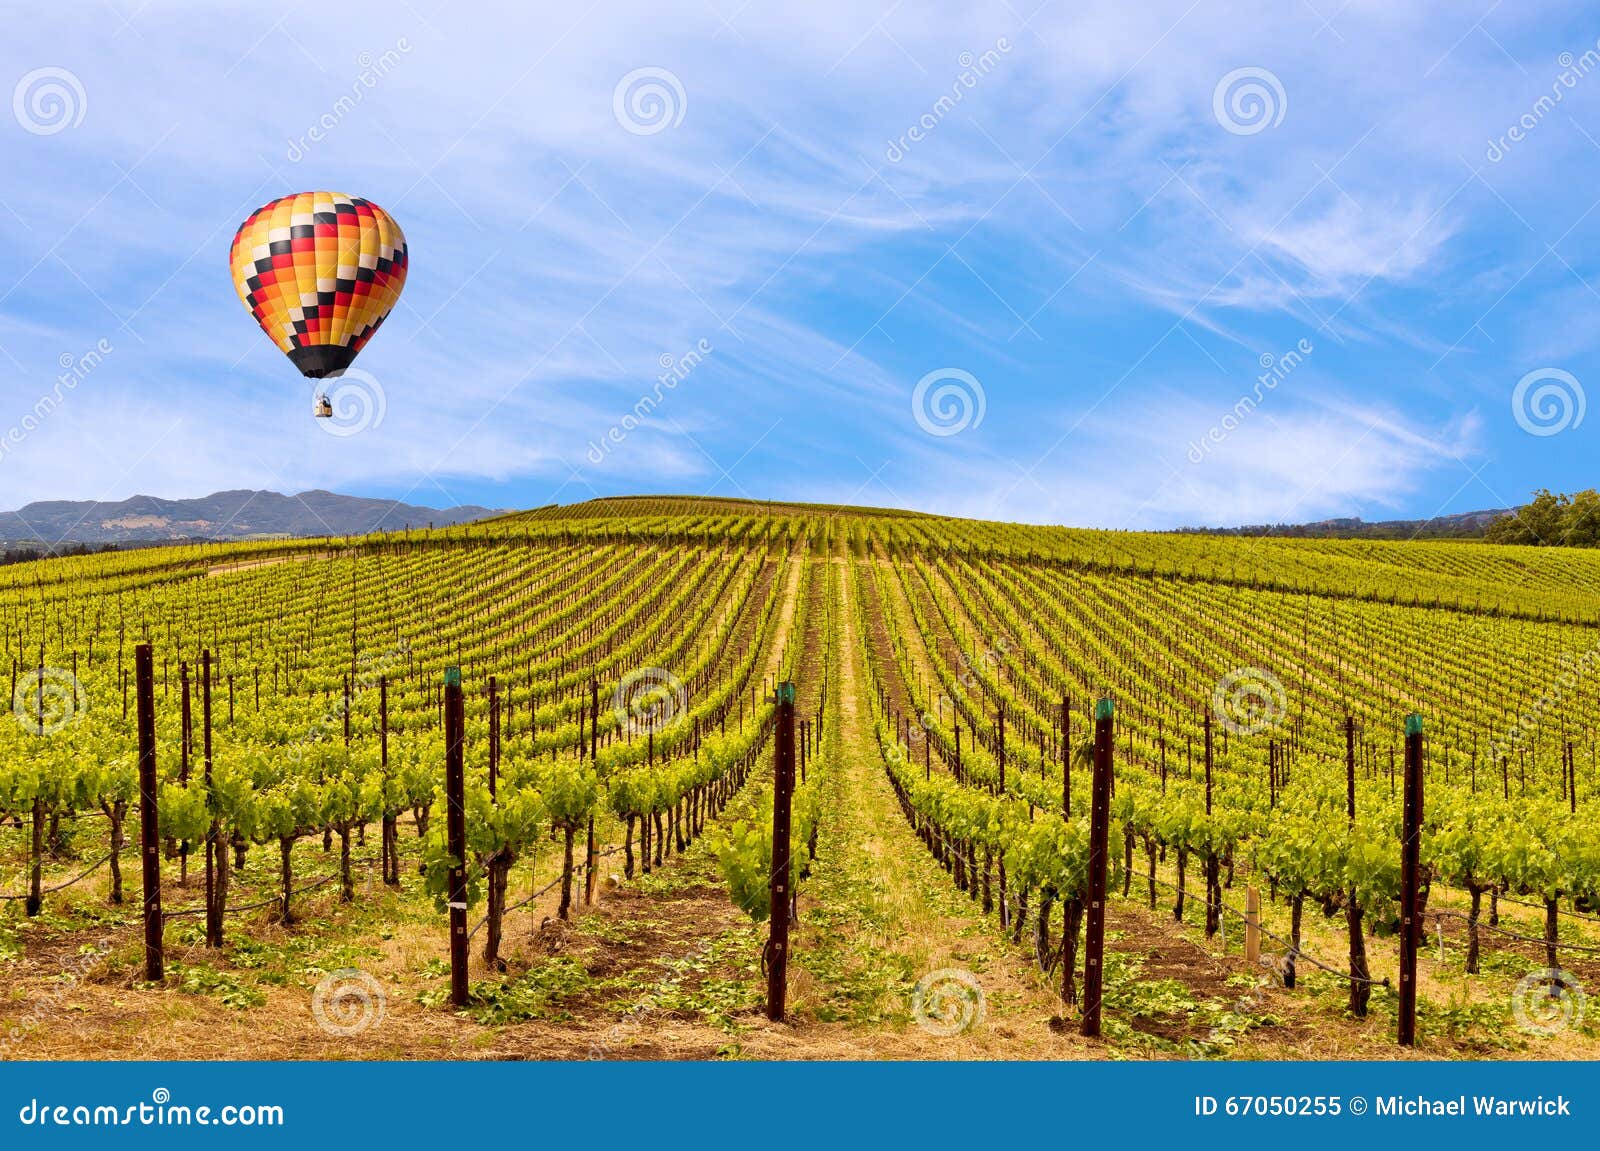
[1548, 401]
[73, 972]
[1547, 1002]
[973, 69]
[948, 1002]
[1275, 369]
[370, 675]
[1251, 1002]
[357, 400]
[48, 699]
[74, 370]
[621, 1033]
[674, 370]
[649, 699]
[948, 401]
[1249, 700]
[1249, 100]
[897, 755]
[160, 1111]
[1573, 69]
[373, 70]
[1572, 675]
[649, 100]
[49, 100]
[970, 667]
[348, 1001]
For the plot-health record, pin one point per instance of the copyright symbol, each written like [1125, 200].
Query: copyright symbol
[1358, 1106]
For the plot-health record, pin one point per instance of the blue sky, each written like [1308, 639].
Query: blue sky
[1130, 216]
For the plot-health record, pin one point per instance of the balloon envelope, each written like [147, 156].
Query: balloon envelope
[319, 271]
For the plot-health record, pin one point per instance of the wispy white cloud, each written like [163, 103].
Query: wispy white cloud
[1350, 243]
[1287, 462]
[1046, 234]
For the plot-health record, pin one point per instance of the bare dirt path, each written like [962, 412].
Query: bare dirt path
[293, 557]
[879, 917]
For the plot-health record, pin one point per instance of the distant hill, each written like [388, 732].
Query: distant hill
[244, 514]
[703, 505]
[1463, 525]
[232, 515]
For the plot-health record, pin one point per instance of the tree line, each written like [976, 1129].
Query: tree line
[1551, 520]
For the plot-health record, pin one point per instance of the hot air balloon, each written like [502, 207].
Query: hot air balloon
[319, 271]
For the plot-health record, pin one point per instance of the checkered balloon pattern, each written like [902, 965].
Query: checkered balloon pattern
[319, 271]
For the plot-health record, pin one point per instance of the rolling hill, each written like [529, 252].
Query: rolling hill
[231, 515]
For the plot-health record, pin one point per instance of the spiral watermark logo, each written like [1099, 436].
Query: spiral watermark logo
[1249, 700]
[48, 699]
[1249, 100]
[1548, 401]
[948, 1001]
[649, 100]
[1279, 965]
[350, 403]
[970, 667]
[948, 401]
[1547, 1002]
[49, 100]
[348, 1002]
[649, 699]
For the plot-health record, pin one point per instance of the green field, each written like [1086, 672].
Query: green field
[619, 868]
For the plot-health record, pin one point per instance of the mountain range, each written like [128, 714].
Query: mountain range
[1462, 525]
[245, 514]
[231, 515]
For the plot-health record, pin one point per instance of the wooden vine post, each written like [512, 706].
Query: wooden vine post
[215, 891]
[1099, 835]
[1360, 984]
[782, 796]
[144, 687]
[456, 831]
[390, 846]
[186, 749]
[1212, 876]
[35, 903]
[494, 734]
[591, 856]
[1252, 925]
[1410, 867]
[1066, 759]
[1000, 790]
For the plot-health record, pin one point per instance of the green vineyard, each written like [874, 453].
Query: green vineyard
[620, 664]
